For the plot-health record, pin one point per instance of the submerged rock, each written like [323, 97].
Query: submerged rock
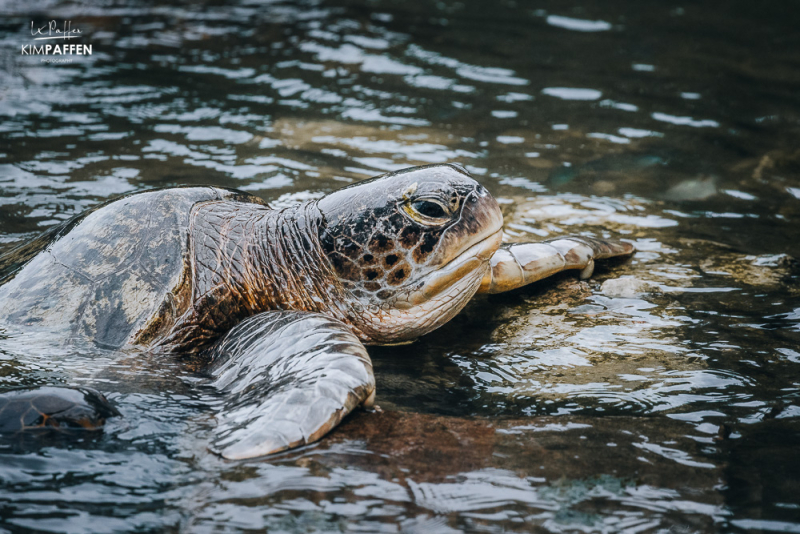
[762, 271]
[626, 287]
[694, 189]
[415, 448]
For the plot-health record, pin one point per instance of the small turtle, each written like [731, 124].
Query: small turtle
[50, 407]
[276, 304]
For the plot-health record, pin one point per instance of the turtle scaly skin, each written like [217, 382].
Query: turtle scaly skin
[519, 264]
[246, 259]
[400, 266]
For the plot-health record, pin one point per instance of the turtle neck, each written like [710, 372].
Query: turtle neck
[246, 259]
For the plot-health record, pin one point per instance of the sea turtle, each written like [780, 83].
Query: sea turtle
[275, 304]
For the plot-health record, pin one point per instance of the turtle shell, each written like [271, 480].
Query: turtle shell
[114, 274]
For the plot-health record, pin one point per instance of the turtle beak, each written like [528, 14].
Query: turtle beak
[474, 259]
[480, 220]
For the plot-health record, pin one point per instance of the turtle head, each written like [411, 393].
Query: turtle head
[410, 248]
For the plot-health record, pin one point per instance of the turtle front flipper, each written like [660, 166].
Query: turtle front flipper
[53, 408]
[287, 379]
[518, 264]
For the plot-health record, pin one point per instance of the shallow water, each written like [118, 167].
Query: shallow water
[670, 403]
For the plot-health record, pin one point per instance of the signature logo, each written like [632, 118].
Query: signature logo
[52, 30]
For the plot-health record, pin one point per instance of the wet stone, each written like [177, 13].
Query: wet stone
[626, 287]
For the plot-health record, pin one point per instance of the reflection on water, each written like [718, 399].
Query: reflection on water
[661, 394]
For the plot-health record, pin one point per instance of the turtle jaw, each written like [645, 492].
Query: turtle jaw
[473, 260]
[431, 303]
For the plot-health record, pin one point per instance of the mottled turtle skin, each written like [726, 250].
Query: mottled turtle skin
[275, 304]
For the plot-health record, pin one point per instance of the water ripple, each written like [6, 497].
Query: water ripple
[668, 383]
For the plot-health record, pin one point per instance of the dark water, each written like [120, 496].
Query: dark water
[669, 401]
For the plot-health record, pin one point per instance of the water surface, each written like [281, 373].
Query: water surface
[669, 400]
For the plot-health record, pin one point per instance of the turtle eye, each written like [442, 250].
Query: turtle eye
[429, 209]
[426, 211]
